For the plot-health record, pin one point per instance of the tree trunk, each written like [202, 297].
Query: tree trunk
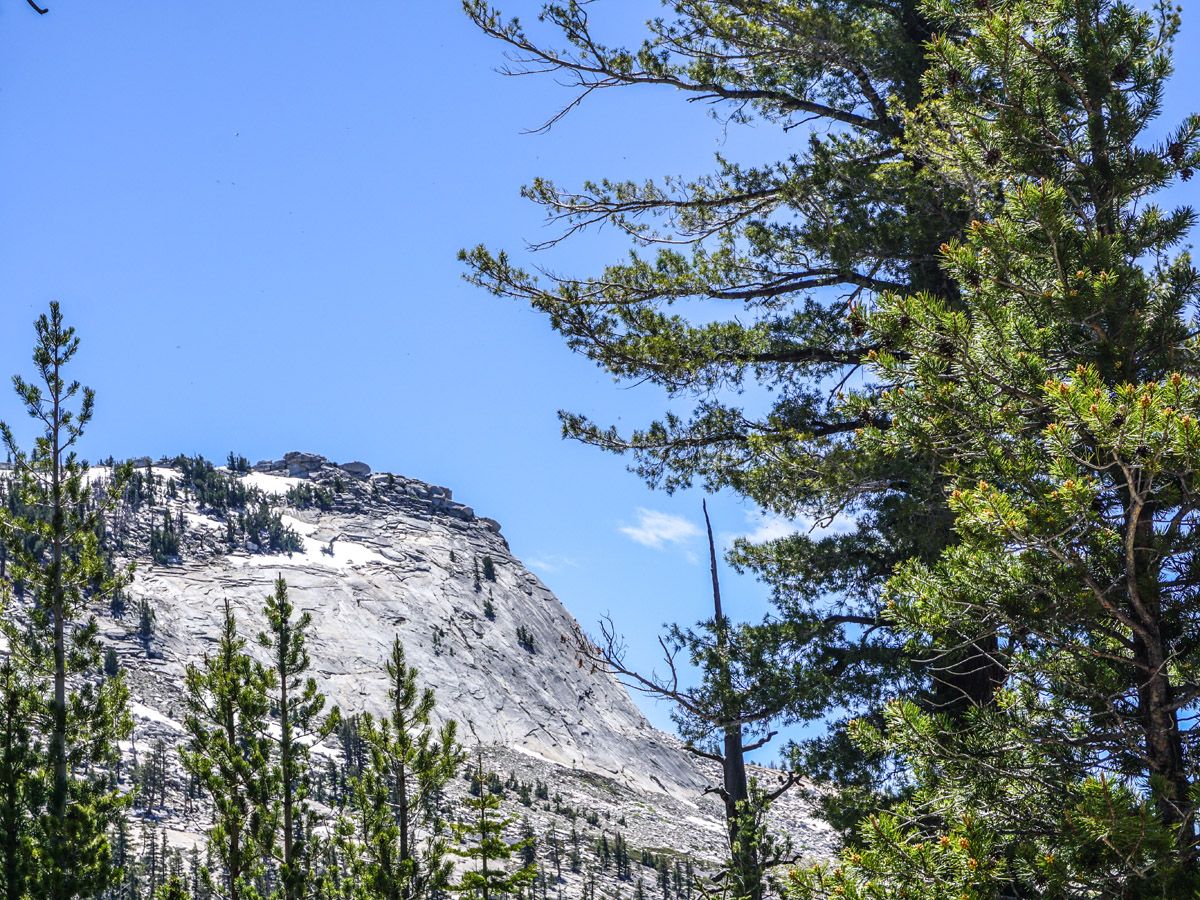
[14, 889]
[1156, 700]
[402, 812]
[736, 788]
[285, 761]
[235, 832]
[58, 734]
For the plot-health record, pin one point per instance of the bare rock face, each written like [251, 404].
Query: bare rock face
[382, 556]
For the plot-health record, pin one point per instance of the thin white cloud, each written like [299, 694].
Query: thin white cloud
[765, 527]
[769, 527]
[657, 529]
[552, 563]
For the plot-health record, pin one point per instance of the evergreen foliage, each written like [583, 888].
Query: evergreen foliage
[481, 838]
[1015, 468]
[210, 487]
[1061, 401]
[146, 620]
[150, 778]
[63, 806]
[778, 262]
[398, 792]
[525, 639]
[241, 504]
[164, 541]
[263, 526]
[297, 704]
[21, 794]
[304, 496]
[229, 754]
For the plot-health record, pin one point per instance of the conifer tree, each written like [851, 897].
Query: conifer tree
[153, 861]
[722, 718]
[19, 788]
[150, 777]
[1060, 400]
[396, 796]
[343, 871]
[1003, 183]
[229, 754]
[126, 864]
[481, 838]
[52, 529]
[174, 888]
[197, 885]
[146, 620]
[298, 705]
[779, 261]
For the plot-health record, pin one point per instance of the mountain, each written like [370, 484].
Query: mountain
[373, 556]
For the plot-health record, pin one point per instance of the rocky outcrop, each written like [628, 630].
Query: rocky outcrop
[388, 556]
[357, 469]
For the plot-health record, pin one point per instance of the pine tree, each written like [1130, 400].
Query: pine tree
[19, 788]
[481, 838]
[722, 718]
[127, 886]
[197, 885]
[779, 261]
[343, 873]
[1060, 400]
[164, 541]
[52, 529]
[153, 864]
[528, 843]
[173, 889]
[150, 777]
[396, 795]
[146, 620]
[229, 754]
[621, 855]
[555, 852]
[298, 706]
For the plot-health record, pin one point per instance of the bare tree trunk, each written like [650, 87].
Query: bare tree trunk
[736, 788]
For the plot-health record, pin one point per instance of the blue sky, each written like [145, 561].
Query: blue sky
[251, 213]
